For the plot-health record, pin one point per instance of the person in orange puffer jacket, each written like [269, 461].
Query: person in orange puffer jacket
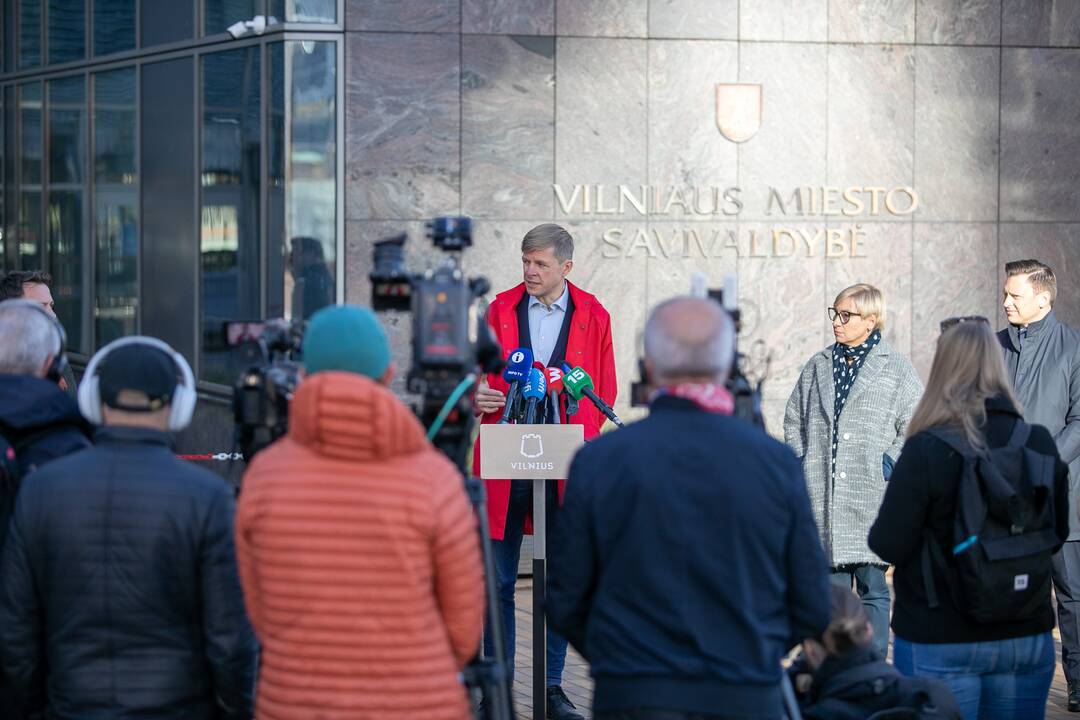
[358, 551]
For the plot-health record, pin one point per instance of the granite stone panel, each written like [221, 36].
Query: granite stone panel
[884, 260]
[791, 20]
[686, 149]
[954, 273]
[620, 284]
[872, 21]
[871, 119]
[773, 412]
[789, 149]
[600, 115]
[441, 16]
[507, 126]
[602, 18]
[783, 301]
[1057, 245]
[1040, 135]
[680, 250]
[958, 22]
[956, 133]
[1041, 22]
[508, 17]
[402, 126]
[698, 19]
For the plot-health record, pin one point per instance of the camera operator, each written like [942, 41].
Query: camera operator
[357, 545]
[120, 595]
[686, 562]
[560, 323]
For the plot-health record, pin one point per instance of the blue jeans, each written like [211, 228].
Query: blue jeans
[995, 680]
[507, 554]
[873, 589]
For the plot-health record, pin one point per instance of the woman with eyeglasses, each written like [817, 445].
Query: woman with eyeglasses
[846, 420]
[987, 634]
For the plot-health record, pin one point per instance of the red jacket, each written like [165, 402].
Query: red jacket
[588, 345]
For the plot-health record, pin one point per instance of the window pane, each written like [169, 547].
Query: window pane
[29, 34]
[166, 21]
[229, 237]
[67, 30]
[218, 15]
[311, 218]
[30, 133]
[304, 11]
[116, 202]
[65, 220]
[275, 184]
[67, 130]
[30, 229]
[114, 26]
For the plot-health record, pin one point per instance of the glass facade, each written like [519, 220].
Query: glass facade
[169, 194]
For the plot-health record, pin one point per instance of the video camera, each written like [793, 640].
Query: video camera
[444, 351]
[270, 351]
[747, 394]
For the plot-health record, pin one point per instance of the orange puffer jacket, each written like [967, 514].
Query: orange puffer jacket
[360, 562]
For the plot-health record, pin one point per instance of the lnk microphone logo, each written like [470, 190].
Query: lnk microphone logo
[738, 110]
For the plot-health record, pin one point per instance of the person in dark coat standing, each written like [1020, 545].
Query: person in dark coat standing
[120, 596]
[38, 421]
[1000, 669]
[33, 285]
[688, 562]
[1042, 358]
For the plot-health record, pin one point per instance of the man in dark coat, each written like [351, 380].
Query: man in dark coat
[33, 285]
[687, 562]
[120, 596]
[1042, 357]
[39, 422]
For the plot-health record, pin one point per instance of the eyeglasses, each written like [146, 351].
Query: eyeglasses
[954, 321]
[844, 315]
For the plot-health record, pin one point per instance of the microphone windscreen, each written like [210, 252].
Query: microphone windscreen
[536, 386]
[518, 365]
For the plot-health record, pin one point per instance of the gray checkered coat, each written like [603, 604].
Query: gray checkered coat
[872, 424]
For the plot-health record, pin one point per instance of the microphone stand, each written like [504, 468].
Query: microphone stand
[540, 576]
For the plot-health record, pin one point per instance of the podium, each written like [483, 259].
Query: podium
[541, 453]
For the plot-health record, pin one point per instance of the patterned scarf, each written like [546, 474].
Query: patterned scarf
[844, 374]
[709, 397]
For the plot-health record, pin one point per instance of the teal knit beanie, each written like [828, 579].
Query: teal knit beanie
[346, 338]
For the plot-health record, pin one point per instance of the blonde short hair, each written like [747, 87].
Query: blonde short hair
[868, 301]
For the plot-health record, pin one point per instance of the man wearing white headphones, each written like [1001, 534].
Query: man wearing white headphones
[119, 594]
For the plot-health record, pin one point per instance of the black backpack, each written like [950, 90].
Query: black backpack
[1003, 533]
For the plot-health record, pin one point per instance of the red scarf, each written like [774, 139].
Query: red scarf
[709, 397]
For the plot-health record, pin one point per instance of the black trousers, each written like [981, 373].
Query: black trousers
[1067, 590]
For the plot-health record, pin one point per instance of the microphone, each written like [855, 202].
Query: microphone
[578, 383]
[534, 391]
[555, 386]
[516, 372]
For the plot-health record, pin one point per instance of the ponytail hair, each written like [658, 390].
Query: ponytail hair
[849, 629]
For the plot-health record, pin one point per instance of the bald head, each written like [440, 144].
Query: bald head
[689, 340]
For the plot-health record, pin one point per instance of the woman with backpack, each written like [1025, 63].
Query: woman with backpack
[975, 508]
[850, 681]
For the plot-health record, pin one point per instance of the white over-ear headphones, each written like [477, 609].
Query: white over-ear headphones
[182, 406]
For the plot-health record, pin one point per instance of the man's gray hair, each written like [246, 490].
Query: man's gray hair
[689, 337]
[549, 235]
[27, 337]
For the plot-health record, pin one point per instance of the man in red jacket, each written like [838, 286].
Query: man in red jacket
[560, 323]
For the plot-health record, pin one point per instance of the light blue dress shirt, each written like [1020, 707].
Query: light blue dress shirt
[545, 322]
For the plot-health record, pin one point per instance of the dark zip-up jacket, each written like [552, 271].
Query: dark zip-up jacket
[686, 563]
[120, 595]
[1045, 373]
